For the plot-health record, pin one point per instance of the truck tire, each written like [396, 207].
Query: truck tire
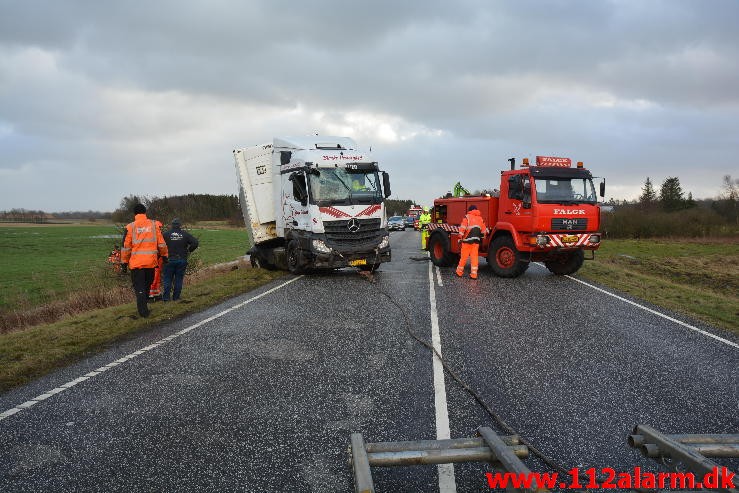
[440, 251]
[566, 263]
[294, 258]
[259, 261]
[505, 259]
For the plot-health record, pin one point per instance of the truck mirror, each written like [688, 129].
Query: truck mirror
[285, 157]
[526, 195]
[515, 187]
[386, 184]
[300, 191]
[603, 188]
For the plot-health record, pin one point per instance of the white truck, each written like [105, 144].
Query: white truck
[313, 203]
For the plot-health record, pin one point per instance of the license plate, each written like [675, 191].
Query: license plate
[570, 239]
[360, 261]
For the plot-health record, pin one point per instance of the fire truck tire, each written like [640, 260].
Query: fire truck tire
[294, 258]
[505, 259]
[566, 263]
[439, 249]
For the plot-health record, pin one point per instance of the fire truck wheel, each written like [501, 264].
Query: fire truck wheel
[294, 258]
[505, 259]
[566, 263]
[439, 249]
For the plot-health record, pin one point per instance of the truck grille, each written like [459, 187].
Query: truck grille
[365, 238]
[579, 224]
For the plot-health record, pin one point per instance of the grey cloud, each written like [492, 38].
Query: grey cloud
[616, 81]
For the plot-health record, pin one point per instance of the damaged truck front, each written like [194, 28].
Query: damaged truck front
[313, 203]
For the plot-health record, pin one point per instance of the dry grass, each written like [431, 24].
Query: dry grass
[98, 295]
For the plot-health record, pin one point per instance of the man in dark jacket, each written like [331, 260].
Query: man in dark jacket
[179, 243]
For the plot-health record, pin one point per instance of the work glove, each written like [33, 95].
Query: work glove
[165, 260]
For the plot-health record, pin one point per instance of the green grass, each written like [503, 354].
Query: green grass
[31, 353]
[698, 278]
[42, 263]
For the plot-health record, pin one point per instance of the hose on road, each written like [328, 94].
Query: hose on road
[544, 457]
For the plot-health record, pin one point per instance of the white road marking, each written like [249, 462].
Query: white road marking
[691, 327]
[438, 276]
[447, 482]
[124, 359]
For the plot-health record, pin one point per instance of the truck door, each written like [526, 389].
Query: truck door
[296, 203]
[515, 205]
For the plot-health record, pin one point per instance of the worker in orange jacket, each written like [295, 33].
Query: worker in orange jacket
[471, 233]
[143, 244]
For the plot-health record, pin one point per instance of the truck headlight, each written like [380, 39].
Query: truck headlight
[321, 247]
[385, 242]
[594, 239]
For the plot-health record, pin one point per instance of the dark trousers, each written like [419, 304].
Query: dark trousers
[142, 279]
[174, 273]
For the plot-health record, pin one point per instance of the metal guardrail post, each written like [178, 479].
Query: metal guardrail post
[505, 456]
[360, 464]
[408, 453]
[688, 451]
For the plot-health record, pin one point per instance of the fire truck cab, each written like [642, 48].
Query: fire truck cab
[544, 213]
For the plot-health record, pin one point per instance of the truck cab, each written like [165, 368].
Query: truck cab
[547, 212]
[313, 203]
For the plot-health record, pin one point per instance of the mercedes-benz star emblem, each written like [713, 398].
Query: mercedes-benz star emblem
[353, 225]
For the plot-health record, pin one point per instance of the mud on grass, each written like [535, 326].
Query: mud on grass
[31, 353]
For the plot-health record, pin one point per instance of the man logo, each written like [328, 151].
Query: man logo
[353, 225]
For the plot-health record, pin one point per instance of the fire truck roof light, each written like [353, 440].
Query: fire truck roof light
[525, 161]
[579, 164]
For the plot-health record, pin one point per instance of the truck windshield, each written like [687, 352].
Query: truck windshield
[569, 191]
[344, 186]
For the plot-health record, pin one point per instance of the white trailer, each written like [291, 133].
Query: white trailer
[313, 203]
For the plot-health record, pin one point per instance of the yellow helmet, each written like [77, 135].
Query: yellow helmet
[425, 209]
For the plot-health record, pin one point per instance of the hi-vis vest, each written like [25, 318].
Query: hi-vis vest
[472, 228]
[144, 244]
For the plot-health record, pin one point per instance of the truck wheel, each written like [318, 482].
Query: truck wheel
[439, 249]
[259, 261]
[294, 258]
[566, 263]
[505, 259]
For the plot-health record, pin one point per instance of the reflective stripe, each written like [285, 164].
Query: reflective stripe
[144, 252]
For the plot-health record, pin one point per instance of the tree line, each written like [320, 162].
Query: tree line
[670, 213]
[188, 208]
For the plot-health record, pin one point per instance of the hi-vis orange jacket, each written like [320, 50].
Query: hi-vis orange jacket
[472, 229]
[143, 244]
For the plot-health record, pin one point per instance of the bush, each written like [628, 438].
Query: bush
[630, 221]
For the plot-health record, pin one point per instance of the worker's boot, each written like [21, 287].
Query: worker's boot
[141, 299]
[460, 272]
[473, 273]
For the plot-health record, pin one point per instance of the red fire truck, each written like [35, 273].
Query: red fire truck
[544, 213]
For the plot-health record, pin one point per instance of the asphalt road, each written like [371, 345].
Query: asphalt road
[261, 393]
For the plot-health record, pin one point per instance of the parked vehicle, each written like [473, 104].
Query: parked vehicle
[409, 221]
[313, 203]
[396, 223]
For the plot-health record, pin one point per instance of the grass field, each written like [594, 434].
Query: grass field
[699, 278]
[42, 263]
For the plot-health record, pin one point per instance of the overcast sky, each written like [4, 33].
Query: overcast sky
[99, 100]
